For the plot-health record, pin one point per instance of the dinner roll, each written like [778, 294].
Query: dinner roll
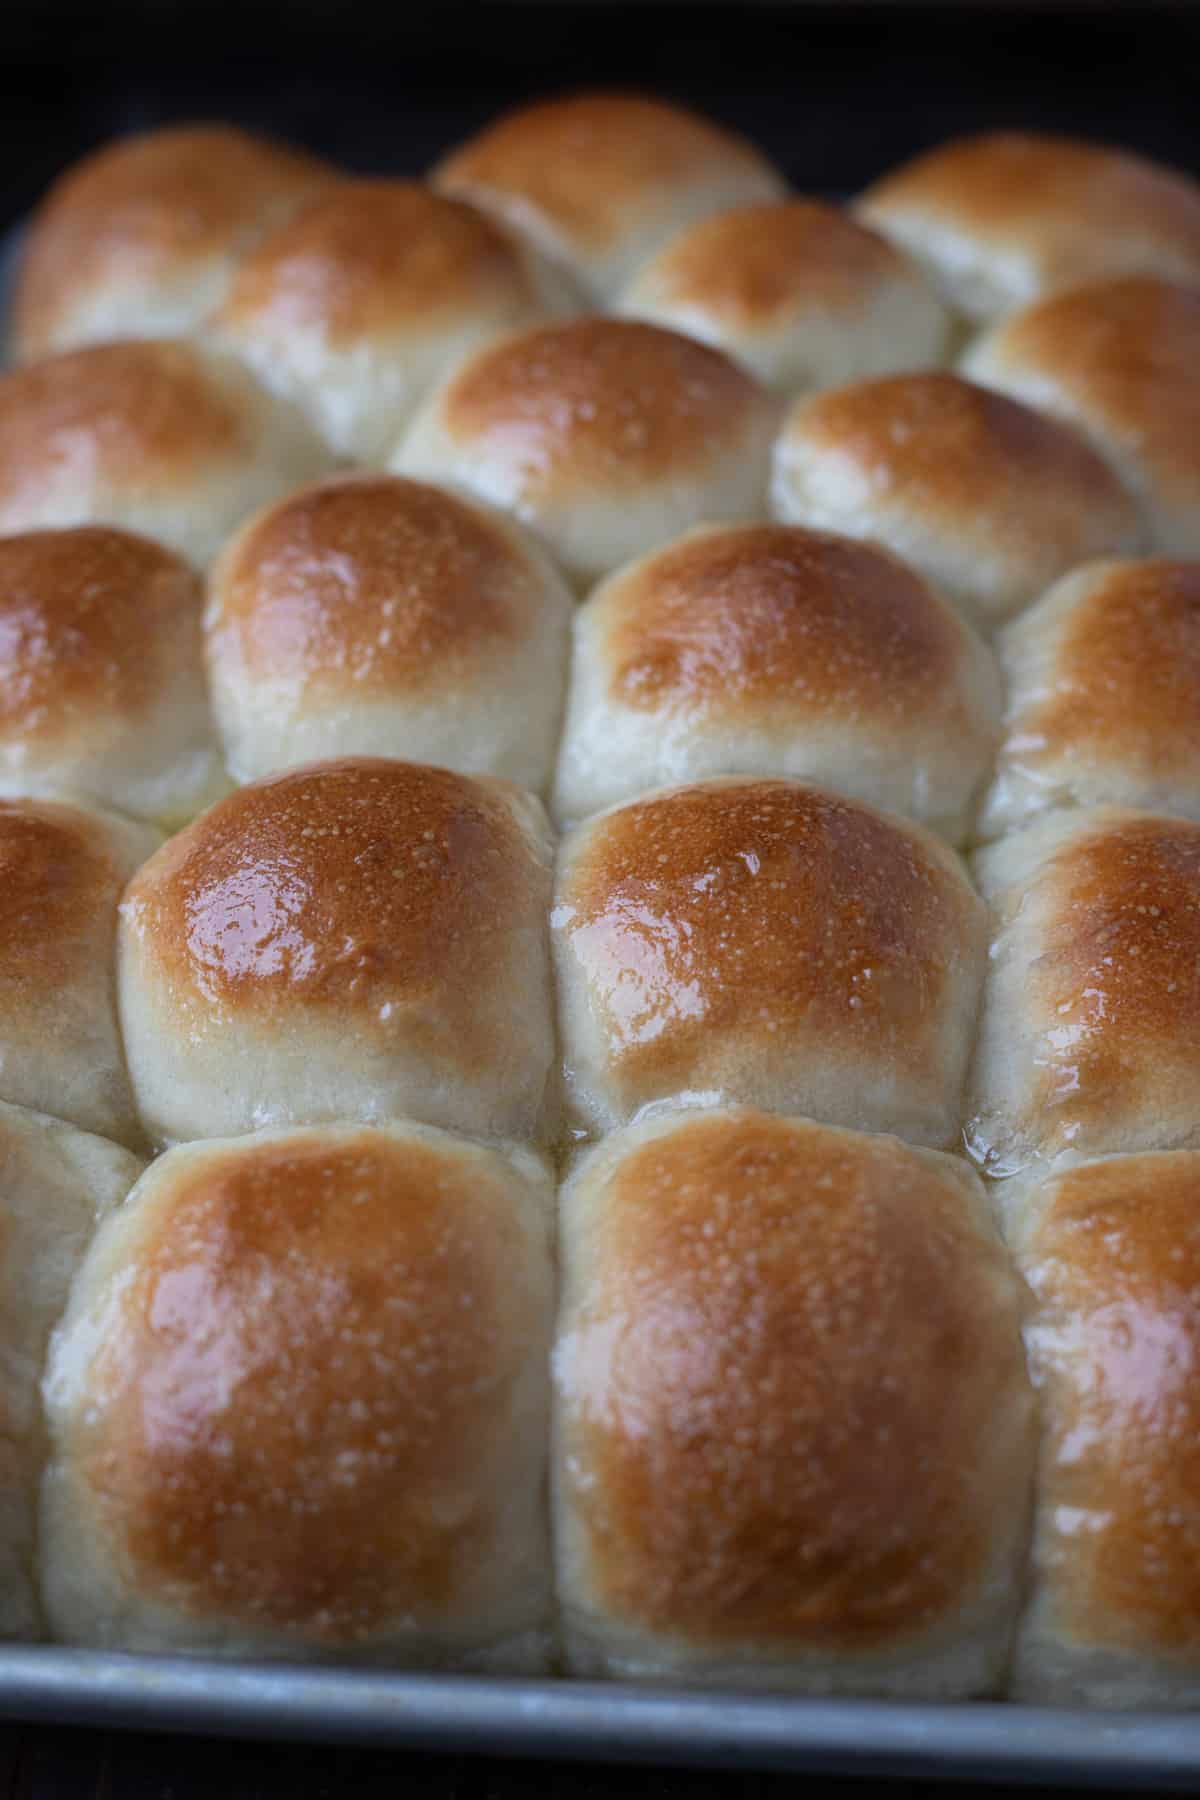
[599, 181]
[141, 238]
[298, 1405]
[357, 304]
[1088, 1037]
[766, 942]
[353, 940]
[55, 1182]
[369, 613]
[1111, 1250]
[158, 437]
[61, 874]
[607, 436]
[987, 499]
[1004, 217]
[794, 1429]
[795, 290]
[1121, 362]
[767, 649]
[102, 674]
[1104, 695]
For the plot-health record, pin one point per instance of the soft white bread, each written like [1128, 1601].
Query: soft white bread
[1005, 217]
[62, 870]
[102, 690]
[794, 1430]
[766, 942]
[141, 238]
[361, 939]
[1111, 1250]
[156, 436]
[368, 614]
[1103, 695]
[55, 1183]
[299, 1406]
[367, 295]
[771, 650]
[798, 292]
[1119, 360]
[606, 436]
[1088, 1035]
[599, 181]
[987, 499]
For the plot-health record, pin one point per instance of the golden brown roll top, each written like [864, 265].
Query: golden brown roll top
[102, 688]
[367, 613]
[598, 181]
[606, 436]
[357, 304]
[1104, 695]
[62, 870]
[766, 942]
[1111, 1250]
[298, 1406]
[141, 238]
[769, 649]
[989, 500]
[1119, 360]
[794, 1430]
[1088, 1040]
[795, 290]
[159, 437]
[1005, 217]
[358, 939]
[55, 1183]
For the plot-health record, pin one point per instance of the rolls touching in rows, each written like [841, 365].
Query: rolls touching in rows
[794, 1431]
[771, 943]
[1006, 217]
[367, 295]
[298, 1406]
[772, 650]
[158, 437]
[797, 291]
[599, 181]
[606, 436]
[986, 498]
[360, 939]
[1103, 679]
[369, 614]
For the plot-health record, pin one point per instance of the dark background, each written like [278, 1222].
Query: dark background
[835, 93]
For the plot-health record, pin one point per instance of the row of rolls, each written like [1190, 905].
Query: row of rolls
[496, 678]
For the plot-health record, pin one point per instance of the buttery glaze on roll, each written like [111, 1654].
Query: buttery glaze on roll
[1005, 217]
[299, 1405]
[1104, 695]
[794, 1430]
[360, 939]
[1120, 361]
[156, 436]
[1088, 1036]
[599, 181]
[768, 649]
[1111, 1250]
[797, 291]
[990, 501]
[141, 239]
[368, 614]
[102, 690]
[606, 436]
[367, 295]
[766, 942]
[62, 870]
[55, 1183]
